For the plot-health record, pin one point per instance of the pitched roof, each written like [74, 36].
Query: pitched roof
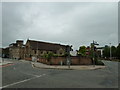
[45, 45]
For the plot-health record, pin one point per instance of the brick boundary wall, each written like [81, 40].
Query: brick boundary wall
[75, 60]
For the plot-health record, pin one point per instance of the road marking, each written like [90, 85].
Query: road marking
[30, 74]
[0, 88]
[23, 81]
[14, 68]
[6, 65]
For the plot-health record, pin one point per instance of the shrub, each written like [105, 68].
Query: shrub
[48, 56]
[55, 55]
[99, 62]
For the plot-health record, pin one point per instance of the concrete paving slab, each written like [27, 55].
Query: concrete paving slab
[4, 63]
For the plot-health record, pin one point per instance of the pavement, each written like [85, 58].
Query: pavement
[72, 67]
[4, 62]
[44, 66]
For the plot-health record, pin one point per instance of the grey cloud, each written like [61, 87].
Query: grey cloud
[68, 23]
[119, 22]
[11, 22]
[1, 25]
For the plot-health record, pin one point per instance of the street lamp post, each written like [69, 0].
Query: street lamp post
[68, 57]
[93, 55]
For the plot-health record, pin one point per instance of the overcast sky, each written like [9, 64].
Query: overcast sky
[70, 23]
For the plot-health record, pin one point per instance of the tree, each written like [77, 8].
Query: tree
[82, 51]
[118, 51]
[106, 51]
[113, 49]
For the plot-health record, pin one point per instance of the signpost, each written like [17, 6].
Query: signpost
[94, 43]
[68, 57]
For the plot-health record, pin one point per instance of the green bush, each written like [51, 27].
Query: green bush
[55, 55]
[51, 63]
[48, 56]
[65, 54]
[99, 62]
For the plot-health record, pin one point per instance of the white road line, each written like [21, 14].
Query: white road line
[30, 74]
[23, 81]
[26, 73]
[14, 68]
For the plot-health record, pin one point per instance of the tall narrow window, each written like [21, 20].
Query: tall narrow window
[35, 52]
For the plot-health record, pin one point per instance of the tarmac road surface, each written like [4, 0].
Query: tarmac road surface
[22, 75]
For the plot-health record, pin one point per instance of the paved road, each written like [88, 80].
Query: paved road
[23, 75]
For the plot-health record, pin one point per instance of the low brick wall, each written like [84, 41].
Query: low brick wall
[85, 61]
[57, 60]
[74, 60]
[29, 59]
[42, 60]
